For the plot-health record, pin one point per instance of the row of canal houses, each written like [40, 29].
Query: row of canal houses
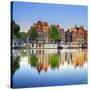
[74, 37]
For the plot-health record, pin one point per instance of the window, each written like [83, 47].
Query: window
[39, 44]
[32, 45]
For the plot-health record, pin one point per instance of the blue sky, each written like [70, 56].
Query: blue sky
[26, 13]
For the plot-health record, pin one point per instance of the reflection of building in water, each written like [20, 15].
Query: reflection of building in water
[85, 55]
[62, 54]
[79, 58]
[44, 60]
[68, 57]
[42, 63]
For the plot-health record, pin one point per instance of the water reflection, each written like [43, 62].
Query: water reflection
[15, 64]
[47, 67]
[34, 60]
[44, 59]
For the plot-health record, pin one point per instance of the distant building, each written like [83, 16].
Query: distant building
[86, 38]
[62, 39]
[16, 42]
[78, 36]
[42, 29]
[68, 37]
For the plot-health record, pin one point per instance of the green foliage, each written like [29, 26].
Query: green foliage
[15, 29]
[18, 35]
[15, 64]
[23, 35]
[33, 34]
[54, 33]
[23, 53]
[54, 60]
[34, 60]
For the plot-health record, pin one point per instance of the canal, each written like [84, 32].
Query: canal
[48, 67]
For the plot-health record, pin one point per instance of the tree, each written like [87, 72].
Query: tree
[23, 35]
[33, 34]
[54, 33]
[15, 29]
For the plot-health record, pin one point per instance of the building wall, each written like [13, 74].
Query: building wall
[86, 36]
[78, 35]
[42, 29]
[62, 34]
[68, 37]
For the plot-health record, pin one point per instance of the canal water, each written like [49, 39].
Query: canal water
[48, 67]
